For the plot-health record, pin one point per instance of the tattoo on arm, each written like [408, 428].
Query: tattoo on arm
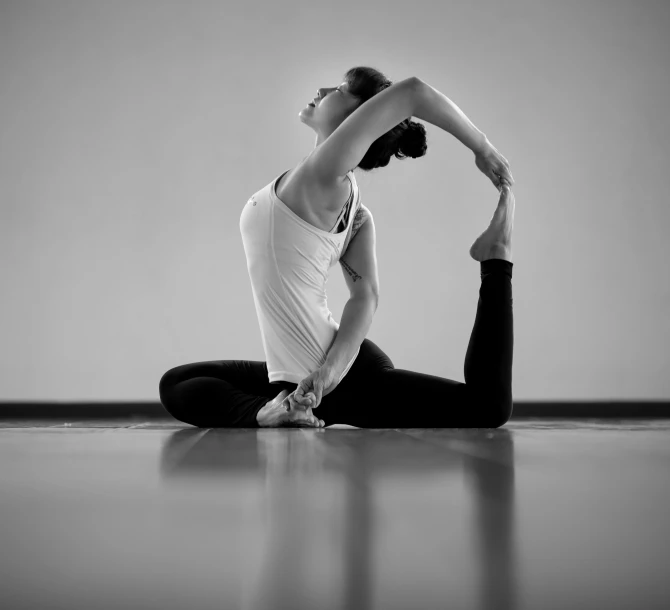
[350, 271]
[359, 219]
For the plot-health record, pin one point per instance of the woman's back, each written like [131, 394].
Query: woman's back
[288, 258]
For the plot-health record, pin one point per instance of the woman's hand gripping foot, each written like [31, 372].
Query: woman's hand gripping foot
[285, 412]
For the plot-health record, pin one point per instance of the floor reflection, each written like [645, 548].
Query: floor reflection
[354, 518]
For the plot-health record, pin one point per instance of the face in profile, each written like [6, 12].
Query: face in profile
[330, 107]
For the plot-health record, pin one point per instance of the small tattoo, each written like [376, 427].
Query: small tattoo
[350, 271]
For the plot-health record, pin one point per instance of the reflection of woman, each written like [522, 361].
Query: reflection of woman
[296, 227]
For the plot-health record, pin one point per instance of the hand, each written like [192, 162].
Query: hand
[493, 165]
[278, 413]
[314, 387]
[298, 416]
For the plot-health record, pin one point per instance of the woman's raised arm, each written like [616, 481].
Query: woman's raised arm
[437, 109]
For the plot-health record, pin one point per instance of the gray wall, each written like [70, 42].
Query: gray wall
[133, 134]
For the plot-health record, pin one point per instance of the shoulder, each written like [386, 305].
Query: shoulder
[325, 195]
[363, 215]
[308, 170]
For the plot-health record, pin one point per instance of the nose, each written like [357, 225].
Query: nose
[322, 91]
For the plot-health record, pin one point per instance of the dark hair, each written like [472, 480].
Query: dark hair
[407, 139]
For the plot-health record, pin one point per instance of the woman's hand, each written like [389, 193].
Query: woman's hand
[314, 387]
[493, 165]
[278, 413]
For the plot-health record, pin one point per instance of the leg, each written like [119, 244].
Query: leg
[217, 393]
[488, 361]
[386, 397]
[395, 398]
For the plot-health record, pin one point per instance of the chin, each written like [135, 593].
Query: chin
[305, 121]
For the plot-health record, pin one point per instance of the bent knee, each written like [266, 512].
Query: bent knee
[166, 391]
[501, 413]
[169, 379]
[494, 408]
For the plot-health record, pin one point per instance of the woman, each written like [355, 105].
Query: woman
[296, 227]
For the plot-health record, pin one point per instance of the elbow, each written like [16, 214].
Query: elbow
[417, 88]
[416, 82]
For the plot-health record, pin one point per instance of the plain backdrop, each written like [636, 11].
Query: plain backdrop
[133, 133]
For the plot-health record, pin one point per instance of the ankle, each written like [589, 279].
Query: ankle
[499, 251]
[272, 413]
[262, 416]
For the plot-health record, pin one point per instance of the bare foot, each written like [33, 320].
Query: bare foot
[496, 241]
[278, 413]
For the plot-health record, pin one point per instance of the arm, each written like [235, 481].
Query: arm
[356, 321]
[359, 267]
[349, 143]
[437, 109]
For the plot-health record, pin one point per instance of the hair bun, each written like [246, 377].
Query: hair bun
[413, 140]
[405, 139]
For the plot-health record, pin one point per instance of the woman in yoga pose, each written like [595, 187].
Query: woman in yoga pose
[307, 219]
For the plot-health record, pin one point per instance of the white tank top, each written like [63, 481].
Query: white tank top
[288, 261]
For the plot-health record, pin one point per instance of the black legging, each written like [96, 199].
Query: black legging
[373, 394]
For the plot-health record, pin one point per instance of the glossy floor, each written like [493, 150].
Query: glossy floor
[536, 515]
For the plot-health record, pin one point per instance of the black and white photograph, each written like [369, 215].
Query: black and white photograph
[334, 305]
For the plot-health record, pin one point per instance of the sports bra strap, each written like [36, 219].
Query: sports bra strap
[343, 218]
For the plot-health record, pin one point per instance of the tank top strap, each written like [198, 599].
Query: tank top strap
[343, 217]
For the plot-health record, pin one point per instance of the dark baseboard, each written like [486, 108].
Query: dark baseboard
[606, 409]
